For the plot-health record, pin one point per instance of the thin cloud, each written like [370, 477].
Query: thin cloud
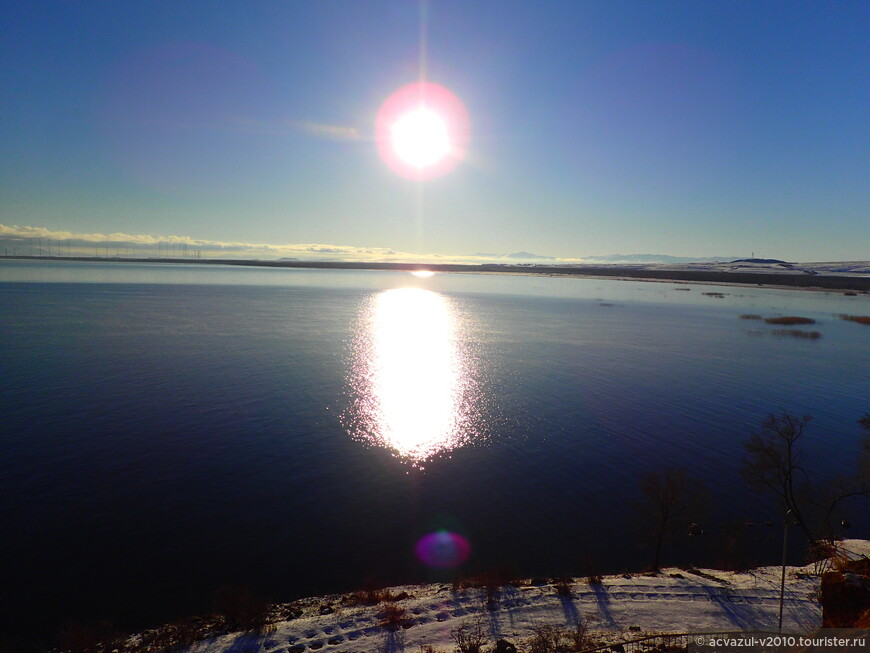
[330, 132]
[289, 127]
[30, 239]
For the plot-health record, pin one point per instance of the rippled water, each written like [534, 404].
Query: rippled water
[168, 430]
[412, 378]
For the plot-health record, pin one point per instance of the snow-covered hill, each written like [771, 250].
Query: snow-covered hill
[672, 601]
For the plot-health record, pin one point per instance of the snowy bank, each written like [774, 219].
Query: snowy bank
[620, 607]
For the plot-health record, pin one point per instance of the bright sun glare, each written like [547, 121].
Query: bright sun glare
[420, 138]
[422, 131]
[412, 380]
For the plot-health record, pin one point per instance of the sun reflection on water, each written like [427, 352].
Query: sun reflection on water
[411, 384]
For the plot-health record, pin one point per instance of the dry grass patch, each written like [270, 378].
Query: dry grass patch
[490, 581]
[860, 319]
[558, 639]
[790, 319]
[393, 617]
[797, 333]
[373, 596]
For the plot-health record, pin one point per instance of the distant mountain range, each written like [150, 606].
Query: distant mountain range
[653, 258]
[615, 258]
[529, 256]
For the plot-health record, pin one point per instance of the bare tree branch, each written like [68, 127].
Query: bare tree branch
[774, 462]
[672, 501]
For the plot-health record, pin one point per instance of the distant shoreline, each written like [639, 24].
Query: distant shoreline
[616, 272]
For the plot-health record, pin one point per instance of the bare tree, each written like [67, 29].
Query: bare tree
[775, 462]
[843, 487]
[827, 499]
[864, 463]
[672, 500]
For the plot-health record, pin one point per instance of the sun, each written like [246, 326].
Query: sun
[420, 138]
[422, 131]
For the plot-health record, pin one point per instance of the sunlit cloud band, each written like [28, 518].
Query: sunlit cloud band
[28, 240]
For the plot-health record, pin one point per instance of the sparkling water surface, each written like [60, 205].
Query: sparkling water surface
[171, 429]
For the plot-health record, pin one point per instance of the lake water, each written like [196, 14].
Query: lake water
[171, 429]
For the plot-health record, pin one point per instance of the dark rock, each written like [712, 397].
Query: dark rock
[845, 595]
[504, 646]
[326, 609]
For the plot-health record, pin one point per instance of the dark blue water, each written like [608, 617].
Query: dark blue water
[166, 437]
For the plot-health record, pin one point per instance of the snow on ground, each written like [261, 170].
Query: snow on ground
[673, 601]
[847, 268]
[764, 266]
[854, 549]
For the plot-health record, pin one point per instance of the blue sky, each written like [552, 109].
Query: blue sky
[682, 128]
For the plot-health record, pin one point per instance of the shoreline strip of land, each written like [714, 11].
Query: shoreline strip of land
[797, 279]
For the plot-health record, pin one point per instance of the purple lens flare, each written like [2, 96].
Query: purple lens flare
[442, 550]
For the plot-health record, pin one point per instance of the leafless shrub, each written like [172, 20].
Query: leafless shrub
[562, 586]
[470, 636]
[820, 555]
[841, 563]
[558, 639]
[393, 617]
[580, 636]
